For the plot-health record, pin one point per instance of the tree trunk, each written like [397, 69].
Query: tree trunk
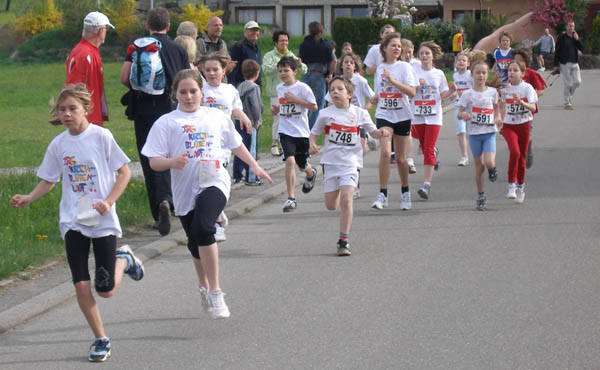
[7, 5]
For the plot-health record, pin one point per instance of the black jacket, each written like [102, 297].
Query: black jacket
[567, 49]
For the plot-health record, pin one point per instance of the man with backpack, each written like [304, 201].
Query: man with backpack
[149, 68]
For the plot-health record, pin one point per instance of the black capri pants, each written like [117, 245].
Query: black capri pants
[78, 250]
[199, 223]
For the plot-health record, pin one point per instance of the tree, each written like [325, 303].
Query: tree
[388, 8]
[556, 13]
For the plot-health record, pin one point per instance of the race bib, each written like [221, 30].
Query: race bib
[287, 108]
[209, 172]
[343, 135]
[514, 108]
[425, 108]
[390, 101]
[482, 116]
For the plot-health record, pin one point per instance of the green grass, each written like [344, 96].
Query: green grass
[30, 235]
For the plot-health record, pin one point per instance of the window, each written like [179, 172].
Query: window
[296, 20]
[349, 11]
[261, 15]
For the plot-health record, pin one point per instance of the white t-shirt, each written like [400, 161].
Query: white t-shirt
[362, 91]
[87, 163]
[224, 97]
[204, 136]
[463, 82]
[427, 104]
[374, 57]
[516, 113]
[393, 105]
[481, 106]
[415, 62]
[293, 118]
[342, 137]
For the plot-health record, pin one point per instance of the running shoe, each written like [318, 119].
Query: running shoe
[218, 305]
[541, 69]
[343, 248]
[480, 203]
[135, 267]
[220, 233]
[464, 161]
[164, 218]
[275, 150]
[100, 350]
[380, 202]
[424, 191]
[204, 303]
[529, 157]
[356, 194]
[493, 174]
[411, 165]
[393, 158]
[371, 143]
[511, 193]
[309, 184]
[405, 203]
[289, 205]
[437, 161]
[254, 183]
[569, 107]
[520, 191]
[224, 219]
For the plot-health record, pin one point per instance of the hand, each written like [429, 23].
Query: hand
[299, 61]
[290, 97]
[467, 116]
[19, 201]
[245, 123]
[313, 149]
[179, 162]
[328, 78]
[452, 87]
[102, 207]
[275, 109]
[388, 76]
[517, 98]
[575, 35]
[499, 122]
[373, 100]
[259, 172]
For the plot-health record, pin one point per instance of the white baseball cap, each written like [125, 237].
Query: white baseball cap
[96, 19]
[251, 25]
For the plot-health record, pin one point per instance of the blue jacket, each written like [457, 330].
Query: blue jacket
[239, 52]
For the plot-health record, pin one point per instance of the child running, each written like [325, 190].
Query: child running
[295, 99]
[395, 84]
[502, 55]
[87, 156]
[433, 88]
[407, 56]
[463, 81]
[520, 100]
[342, 154]
[193, 141]
[479, 106]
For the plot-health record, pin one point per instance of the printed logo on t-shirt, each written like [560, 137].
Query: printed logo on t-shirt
[198, 144]
[81, 176]
[212, 102]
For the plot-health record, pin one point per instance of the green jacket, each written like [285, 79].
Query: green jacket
[269, 67]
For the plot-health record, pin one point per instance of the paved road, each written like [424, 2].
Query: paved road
[439, 287]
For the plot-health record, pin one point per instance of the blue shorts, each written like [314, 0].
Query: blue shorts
[461, 125]
[484, 143]
[544, 53]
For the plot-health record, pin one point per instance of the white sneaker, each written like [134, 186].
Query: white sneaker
[289, 205]
[204, 303]
[405, 203]
[511, 193]
[380, 202]
[541, 69]
[220, 233]
[520, 194]
[224, 219]
[217, 303]
[464, 161]
[356, 194]
[411, 165]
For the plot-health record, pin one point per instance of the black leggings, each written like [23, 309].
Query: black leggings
[78, 250]
[200, 226]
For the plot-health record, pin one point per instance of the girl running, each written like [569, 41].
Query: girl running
[192, 141]
[427, 105]
[520, 100]
[342, 156]
[395, 84]
[479, 106]
[463, 81]
[87, 156]
[408, 56]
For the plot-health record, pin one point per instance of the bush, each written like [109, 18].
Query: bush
[360, 32]
[127, 25]
[419, 33]
[592, 44]
[42, 17]
[444, 33]
[199, 14]
[73, 14]
[476, 30]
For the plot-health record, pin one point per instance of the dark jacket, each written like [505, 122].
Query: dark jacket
[239, 52]
[316, 55]
[566, 49]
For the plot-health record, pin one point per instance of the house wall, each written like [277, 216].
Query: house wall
[515, 8]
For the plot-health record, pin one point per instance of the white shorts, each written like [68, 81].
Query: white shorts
[334, 177]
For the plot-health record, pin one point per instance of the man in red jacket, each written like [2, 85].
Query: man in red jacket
[85, 66]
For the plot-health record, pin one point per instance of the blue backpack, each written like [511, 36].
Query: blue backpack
[147, 73]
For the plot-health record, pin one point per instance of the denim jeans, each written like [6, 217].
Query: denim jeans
[239, 166]
[318, 87]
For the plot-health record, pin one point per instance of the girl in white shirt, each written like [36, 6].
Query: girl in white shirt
[427, 108]
[463, 81]
[86, 157]
[343, 154]
[395, 84]
[192, 142]
[407, 56]
[520, 101]
[479, 107]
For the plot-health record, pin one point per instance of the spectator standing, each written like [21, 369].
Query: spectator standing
[457, 41]
[188, 28]
[566, 61]
[281, 41]
[546, 42]
[84, 65]
[317, 53]
[146, 109]
[246, 48]
[211, 42]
